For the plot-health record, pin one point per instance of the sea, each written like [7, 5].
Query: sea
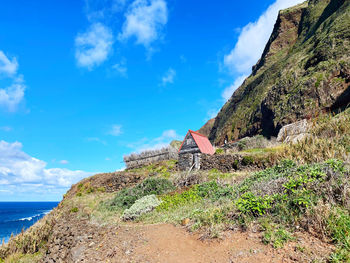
[15, 216]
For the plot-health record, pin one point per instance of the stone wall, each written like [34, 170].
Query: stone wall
[221, 162]
[185, 161]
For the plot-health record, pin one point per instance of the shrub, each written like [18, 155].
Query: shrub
[248, 203]
[74, 210]
[141, 206]
[339, 227]
[247, 160]
[277, 237]
[127, 197]
[210, 190]
[210, 219]
[219, 151]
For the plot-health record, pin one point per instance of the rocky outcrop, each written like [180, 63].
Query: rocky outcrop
[304, 69]
[293, 132]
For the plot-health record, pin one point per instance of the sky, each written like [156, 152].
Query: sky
[84, 82]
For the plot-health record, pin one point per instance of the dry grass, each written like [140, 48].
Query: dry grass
[32, 240]
[329, 139]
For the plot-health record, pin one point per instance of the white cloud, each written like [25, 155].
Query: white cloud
[253, 38]
[64, 162]
[171, 134]
[12, 96]
[94, 46]
[103, 9]
[227, 93]
[145, 20]
[168, 77]
[251, 43]
[156, 143]
[121, 68]
[19, 170]
[116, 130]
[8, 66]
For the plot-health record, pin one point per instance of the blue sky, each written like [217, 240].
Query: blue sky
[84, 82]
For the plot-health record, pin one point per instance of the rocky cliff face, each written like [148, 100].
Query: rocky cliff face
[304, 69]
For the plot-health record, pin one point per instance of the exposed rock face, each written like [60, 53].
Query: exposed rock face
[293, 132]
[304, 69]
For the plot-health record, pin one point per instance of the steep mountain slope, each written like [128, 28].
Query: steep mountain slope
[304, 69]
[206, 128]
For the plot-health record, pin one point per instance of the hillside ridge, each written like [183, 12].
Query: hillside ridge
[304, 69]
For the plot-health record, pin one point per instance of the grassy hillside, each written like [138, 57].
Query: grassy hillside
[304, 69]
[305, 193]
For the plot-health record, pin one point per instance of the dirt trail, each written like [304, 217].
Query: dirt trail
[85, 242]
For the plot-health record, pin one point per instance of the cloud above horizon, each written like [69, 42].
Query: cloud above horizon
[157, 143]
[116, 130]
[168, 77]
[94, 46]
[8, 66]
[12, 95]
[19, 170]
[251, 43]
[144, 20]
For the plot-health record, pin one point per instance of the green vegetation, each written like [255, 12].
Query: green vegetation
[277, 236]
[141, 206]
[219, 151]
[254, 205]
[23, 258]
[85, 188]
[162, 169]
[151, 186]
[287, 76]
[278, 198]
[210, 190]
[329, 139]
[74, 210]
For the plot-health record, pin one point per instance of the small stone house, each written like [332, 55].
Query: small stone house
[191, 149]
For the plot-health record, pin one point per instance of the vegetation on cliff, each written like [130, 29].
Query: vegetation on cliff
[304, 69]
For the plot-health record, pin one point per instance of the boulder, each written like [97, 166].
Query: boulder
[293, 132]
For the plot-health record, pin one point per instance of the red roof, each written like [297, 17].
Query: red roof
[202, 142]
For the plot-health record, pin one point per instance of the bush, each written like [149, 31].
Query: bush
[141, 206]
[219, 151]
[277, 237]
[247, 160]
[74, 210]
[127, 197]
[248, 203]
[210, 190]
[338, 226]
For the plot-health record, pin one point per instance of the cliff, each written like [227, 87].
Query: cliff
[304, 69]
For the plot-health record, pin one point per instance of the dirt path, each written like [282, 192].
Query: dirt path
[166, 243]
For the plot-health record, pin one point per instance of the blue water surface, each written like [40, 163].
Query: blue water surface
[15, 216]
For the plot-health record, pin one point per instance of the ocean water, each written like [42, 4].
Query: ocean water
[15, 216]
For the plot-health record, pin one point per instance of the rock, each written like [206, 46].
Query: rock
[293, 132]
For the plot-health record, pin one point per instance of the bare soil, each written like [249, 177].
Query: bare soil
[80, 241]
